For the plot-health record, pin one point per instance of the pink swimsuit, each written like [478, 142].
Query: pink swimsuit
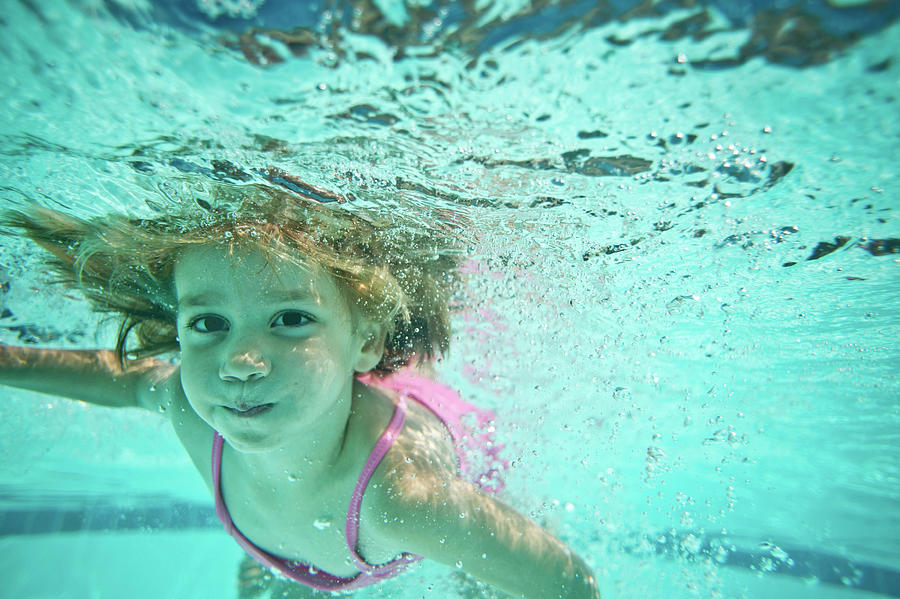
[449, 408]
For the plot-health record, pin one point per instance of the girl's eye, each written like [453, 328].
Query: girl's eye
[291, 318]
[208, 324]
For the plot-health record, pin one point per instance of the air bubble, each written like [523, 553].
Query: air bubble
[322, 523]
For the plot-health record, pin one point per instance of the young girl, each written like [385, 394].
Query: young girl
[297, 329]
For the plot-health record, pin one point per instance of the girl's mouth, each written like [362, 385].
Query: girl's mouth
[250, 412]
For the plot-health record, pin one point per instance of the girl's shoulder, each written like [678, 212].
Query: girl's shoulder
[422, 453]
[195, 435]
[424, 441]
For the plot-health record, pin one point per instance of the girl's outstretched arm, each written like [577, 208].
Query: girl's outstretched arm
[448, 520]
[93, 376]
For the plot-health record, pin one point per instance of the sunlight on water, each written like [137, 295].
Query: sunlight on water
[681, 251]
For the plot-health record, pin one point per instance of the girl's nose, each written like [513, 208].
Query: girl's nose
[244, 367]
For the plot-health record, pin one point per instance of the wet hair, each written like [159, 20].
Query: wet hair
[390, 274]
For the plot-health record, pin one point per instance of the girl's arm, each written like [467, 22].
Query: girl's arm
[93, 376]
[448, 520]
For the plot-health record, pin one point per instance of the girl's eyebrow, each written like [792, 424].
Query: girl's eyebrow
[292, 295]
[201, 299]
[212, 298]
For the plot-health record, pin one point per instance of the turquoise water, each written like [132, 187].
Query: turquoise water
[682, 243]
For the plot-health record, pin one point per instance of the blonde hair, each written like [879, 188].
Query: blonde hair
[390, 274]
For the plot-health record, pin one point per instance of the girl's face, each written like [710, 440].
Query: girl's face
[267, 349]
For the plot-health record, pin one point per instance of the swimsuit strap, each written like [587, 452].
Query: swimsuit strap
[351, 529]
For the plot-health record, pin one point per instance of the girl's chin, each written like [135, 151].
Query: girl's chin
[250, 441]
[253, 431]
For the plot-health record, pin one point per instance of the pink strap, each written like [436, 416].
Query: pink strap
[351, 529]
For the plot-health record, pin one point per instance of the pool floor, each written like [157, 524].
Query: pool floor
[203, 564]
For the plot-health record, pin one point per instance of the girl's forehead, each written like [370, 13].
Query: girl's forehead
[248, 270]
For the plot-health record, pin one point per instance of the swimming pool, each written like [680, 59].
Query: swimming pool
[682, 267]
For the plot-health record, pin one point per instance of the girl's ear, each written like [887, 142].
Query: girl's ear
[372, 350]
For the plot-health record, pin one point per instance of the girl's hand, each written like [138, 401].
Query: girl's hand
[93, 376]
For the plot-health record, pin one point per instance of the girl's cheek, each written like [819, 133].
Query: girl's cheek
[189, 375]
